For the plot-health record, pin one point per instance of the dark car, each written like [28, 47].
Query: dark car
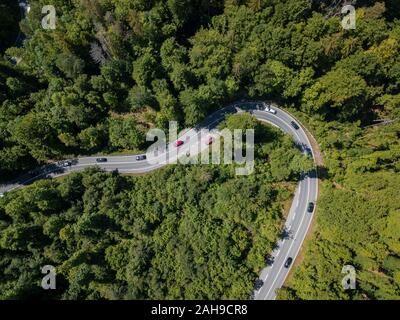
[310, 207]
[101, 160]
[258, 284]
[295, 125]
[141, 157]
[288, 262]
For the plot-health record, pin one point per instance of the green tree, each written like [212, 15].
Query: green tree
[124, 133]
[341, 92]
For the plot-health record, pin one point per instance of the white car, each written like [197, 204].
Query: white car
[65, 163]
[1, 195]
[269, 109]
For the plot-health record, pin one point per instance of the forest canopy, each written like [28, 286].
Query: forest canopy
[183, 232]
[112, 64]
[112, 69]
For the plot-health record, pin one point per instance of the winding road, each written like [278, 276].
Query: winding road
[298, 221]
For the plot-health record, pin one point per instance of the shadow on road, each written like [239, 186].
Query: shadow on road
[285, 234]
[43, 172]
[269, 259]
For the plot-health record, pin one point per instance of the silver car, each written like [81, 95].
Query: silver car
[269, 109]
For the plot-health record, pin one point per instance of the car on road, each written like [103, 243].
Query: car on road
[141, 157]
[310, 207]
[101, 160]
[258, 284]
[209, 140]
[269, 109]
[178, 143]
[288, 262]
[66, 163]
[295, 125]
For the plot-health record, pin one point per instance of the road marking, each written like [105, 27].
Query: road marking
[285, 125]
[290, 247]
[304, 215]
[299, 228]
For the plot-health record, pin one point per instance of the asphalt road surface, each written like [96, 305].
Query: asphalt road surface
[297, 224]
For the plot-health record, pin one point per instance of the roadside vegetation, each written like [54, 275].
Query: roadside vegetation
[183, 232]
[113, 69]
[358, 217]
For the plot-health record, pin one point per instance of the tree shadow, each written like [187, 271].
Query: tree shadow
[43, 172]
[269, 259]
[322, 172]
[285, 234]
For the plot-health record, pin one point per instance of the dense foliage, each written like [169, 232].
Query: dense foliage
[193, 232]
[155, 61]
[114, 68]
[358, 217]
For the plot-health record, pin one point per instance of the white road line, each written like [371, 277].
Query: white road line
[287, 128]
[301, 222]
[290, 247]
